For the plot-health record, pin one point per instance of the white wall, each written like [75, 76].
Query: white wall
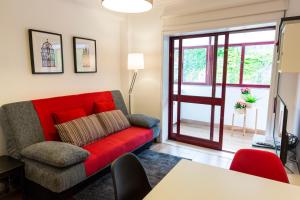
[297, 118]
[294, 8]
[145, 36]
[70, 18]
[297, 110]
[287, 90]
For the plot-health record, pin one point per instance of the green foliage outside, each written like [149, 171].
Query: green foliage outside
[257, 64]
[194, 65]
[233, 65]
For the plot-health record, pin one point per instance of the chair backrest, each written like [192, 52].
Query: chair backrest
[259, 163]
[129, 178]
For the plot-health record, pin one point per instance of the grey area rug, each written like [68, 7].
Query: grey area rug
[156, 165]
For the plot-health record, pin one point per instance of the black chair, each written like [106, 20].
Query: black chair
[129, 178]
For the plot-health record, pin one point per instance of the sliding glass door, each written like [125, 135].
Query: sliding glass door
[198, 68]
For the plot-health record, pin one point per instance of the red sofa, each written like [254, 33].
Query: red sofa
[33, 123]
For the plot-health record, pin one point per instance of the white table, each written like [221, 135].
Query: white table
[194, 181]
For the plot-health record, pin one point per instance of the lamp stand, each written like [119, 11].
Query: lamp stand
[131, 89]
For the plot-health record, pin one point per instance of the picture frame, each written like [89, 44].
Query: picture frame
[85, 55]
[46, 52]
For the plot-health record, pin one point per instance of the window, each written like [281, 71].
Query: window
[233, 64]
[258, 64]
[176, 63]
[194, 65]
[250, 59]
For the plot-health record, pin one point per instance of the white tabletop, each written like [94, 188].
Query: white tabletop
[194, 181]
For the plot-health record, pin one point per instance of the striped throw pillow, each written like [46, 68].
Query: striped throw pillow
[113, 121]
[81, 131]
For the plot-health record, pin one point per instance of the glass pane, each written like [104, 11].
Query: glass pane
[221, 40]
[194, 65]
[174, 120]
[195, 77]
[233, 64]
[196, 90]
[195, 120]
[251, 37]
[175, 67]
[220, 65]
[258, 64]
[196, 42]
[217, 123]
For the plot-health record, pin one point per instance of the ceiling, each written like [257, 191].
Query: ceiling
[201, 3]
[174, 7]
[209, 2]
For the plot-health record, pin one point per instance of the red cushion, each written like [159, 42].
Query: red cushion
[106, 150]
[259, 163]
[46, 107]
[69, 115]
[104, 106]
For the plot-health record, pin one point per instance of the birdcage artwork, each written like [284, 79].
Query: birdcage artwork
[48, 54]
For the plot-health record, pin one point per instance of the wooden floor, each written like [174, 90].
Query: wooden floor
[233, 140]
[198, 154]
[211, 157]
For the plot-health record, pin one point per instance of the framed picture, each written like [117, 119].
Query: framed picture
[85, 55]
[46, 52]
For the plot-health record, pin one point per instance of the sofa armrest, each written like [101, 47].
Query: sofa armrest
[57, 154]
[143, 120]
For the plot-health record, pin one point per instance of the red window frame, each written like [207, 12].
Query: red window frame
[243, 47]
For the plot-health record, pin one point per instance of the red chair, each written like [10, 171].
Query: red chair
[259, 163]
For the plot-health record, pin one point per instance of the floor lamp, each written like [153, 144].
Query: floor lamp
[135, 62]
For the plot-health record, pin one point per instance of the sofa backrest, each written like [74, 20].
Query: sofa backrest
[30, 122]
[119, 101]
[21, 125]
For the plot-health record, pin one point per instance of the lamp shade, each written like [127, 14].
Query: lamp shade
[128, 6]
[135, 61]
